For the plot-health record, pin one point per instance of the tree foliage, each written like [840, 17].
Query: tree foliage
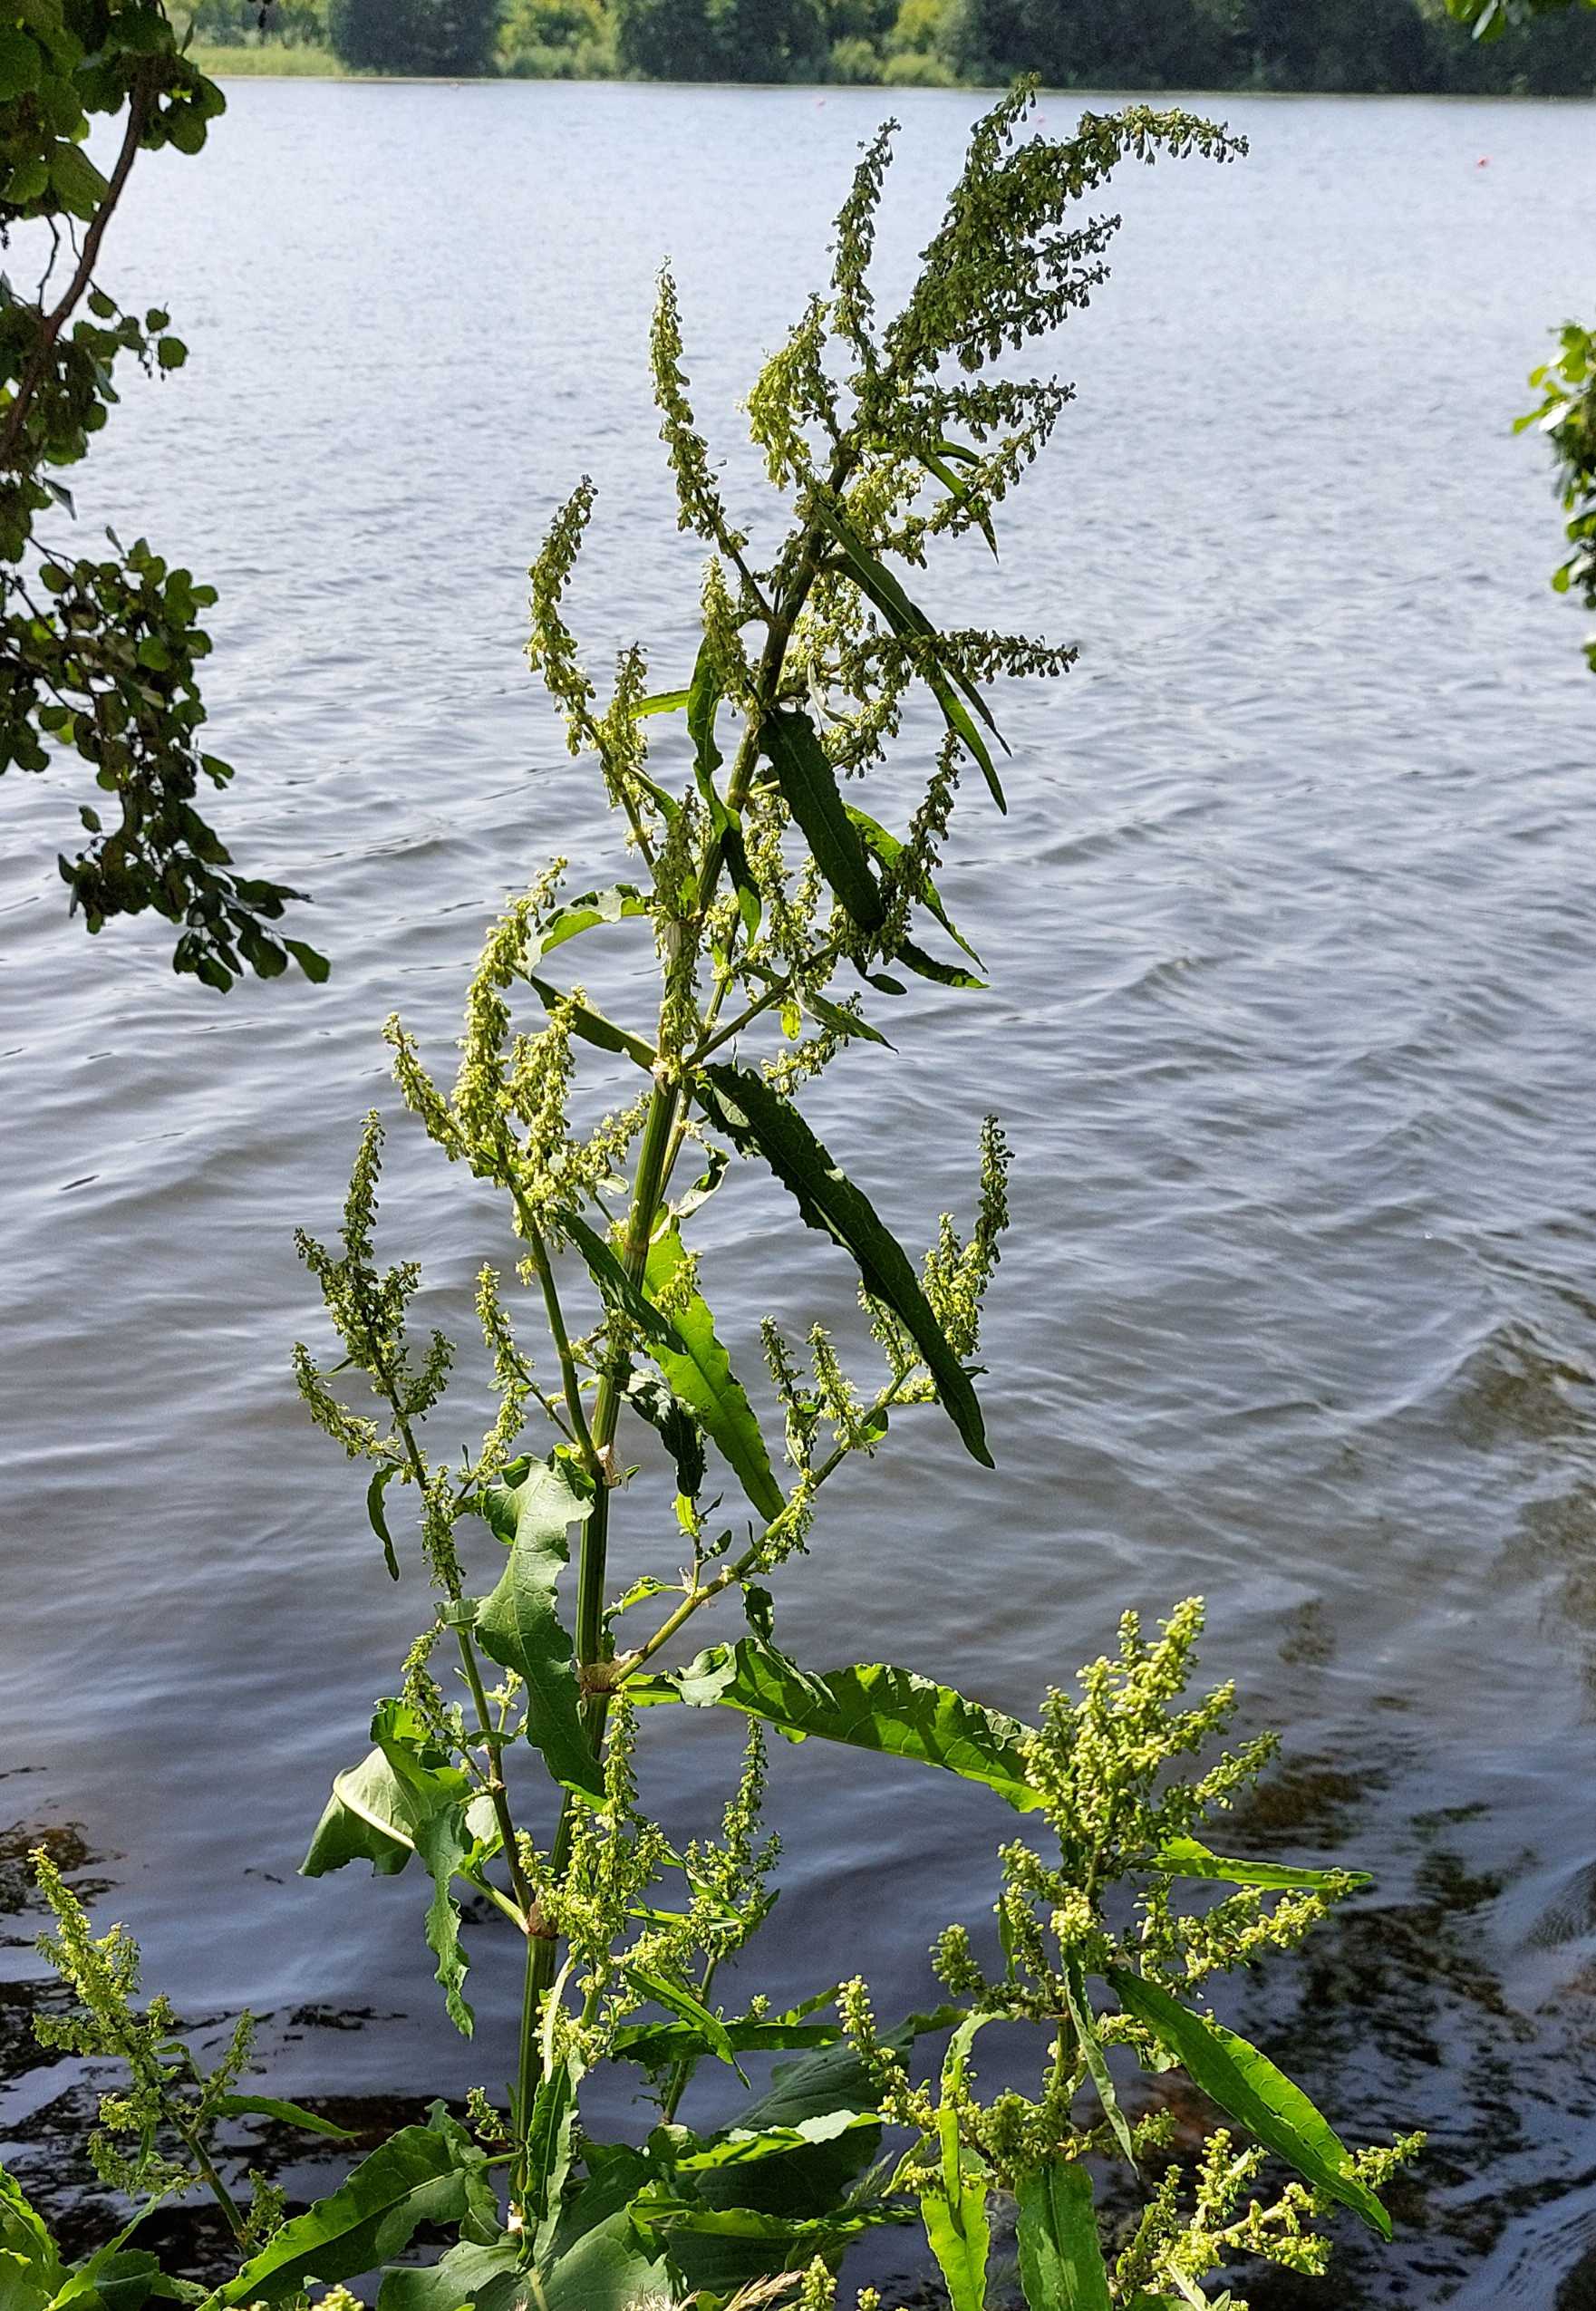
[100, 647]
[441, 37]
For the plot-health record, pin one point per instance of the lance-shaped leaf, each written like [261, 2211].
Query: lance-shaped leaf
[31, 2269]
[443, 1811]
[1187, 1858]
[269, 2106]
[1097, 2062]
[1060, 2258]
[758, 1120]
[742, 2146]
[952, 2204]
[549, 2148]
[660, 701]
[414, 2177]
[909, 622]
[1247, 2085]
[592, 1026]
[703, 701]
[519, 1626]
[615, 1285]
[871, 1706]
[810, 789]
[713, 2036]
[928, 967]
[660, 2046]
[378, 1523]
[700, 1375]
[889, 849]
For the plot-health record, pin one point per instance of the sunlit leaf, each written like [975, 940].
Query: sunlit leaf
[1187, 1858]
[1060, 2259]
[872, 1706]
[1247, 2085]
[700, 1375]
[414, 2178]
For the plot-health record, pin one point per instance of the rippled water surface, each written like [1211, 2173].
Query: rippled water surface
[1294, 963]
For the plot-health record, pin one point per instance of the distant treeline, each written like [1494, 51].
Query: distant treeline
[1396, 46]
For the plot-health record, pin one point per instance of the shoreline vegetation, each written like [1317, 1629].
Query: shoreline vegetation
[1350, 47]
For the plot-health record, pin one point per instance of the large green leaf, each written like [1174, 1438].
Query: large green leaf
[444, 1843]
[606, 2270]
[700, 1375]
[1187, 1858]
[450, 1832]
[550, 2147]
[870, 1706]
[1061, 2258]
[953, 2206]
[518, 1625]
[1247, 2085]
[414, 2177]
[746, 2146]
[486, 2278]
[757, 1120]
[808, 786]
[378, 1807]
[690, 2009]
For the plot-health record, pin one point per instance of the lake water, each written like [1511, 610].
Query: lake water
[1292, 952]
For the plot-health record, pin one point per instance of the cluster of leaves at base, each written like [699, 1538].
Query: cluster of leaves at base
[1567, 416]
[98, 653]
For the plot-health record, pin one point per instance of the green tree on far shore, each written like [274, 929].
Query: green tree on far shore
[446, 37]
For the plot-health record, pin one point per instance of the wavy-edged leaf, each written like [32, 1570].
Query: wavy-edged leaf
[700, 1375]
[1097, 2062]
[1061, 2258]
[593, 1026]
[1188, 1858]
[414, 2178]
[379, 1521]
[1246, 2084]
[810, 789]
[550, 2145]
[928, 967]
[616, 1286]
[758, 1120]
[888, 848]
[519, 1625]
[871, 1706]
[270, 2106]
[444, 1843]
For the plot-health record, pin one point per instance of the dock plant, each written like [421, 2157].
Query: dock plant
[777, 921]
